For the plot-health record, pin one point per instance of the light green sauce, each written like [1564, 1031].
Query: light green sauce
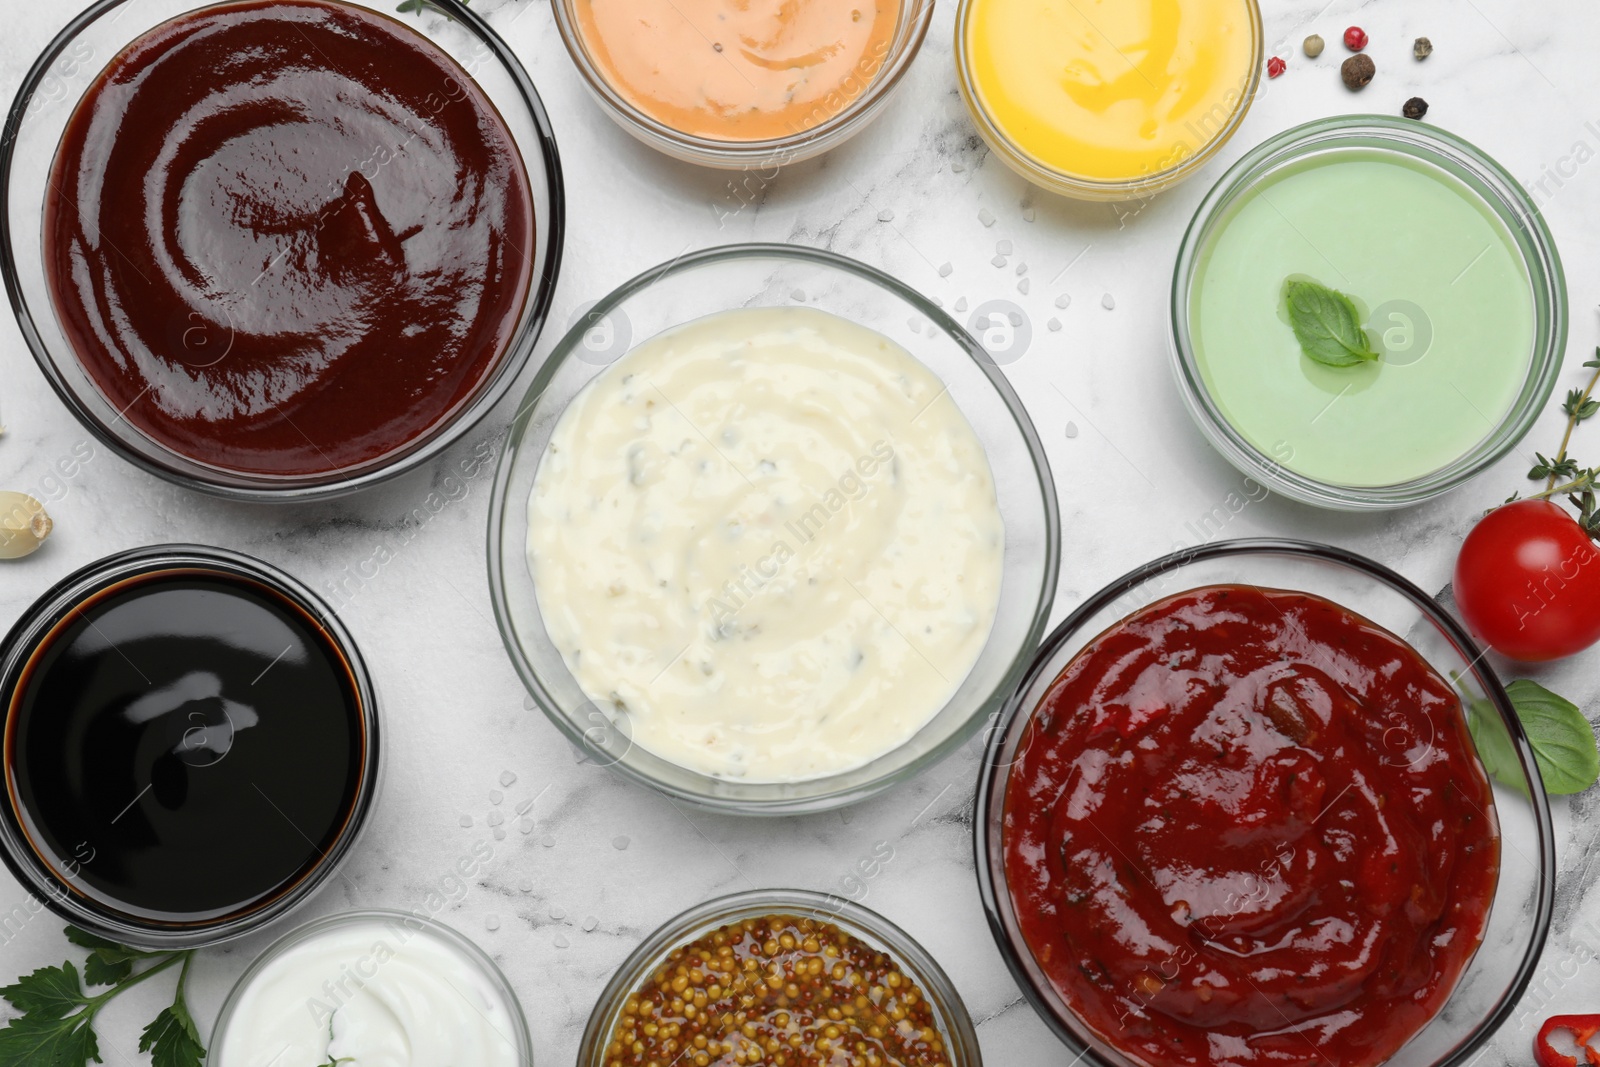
[1381, 228]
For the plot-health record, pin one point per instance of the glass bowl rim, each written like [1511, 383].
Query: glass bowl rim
[773, 150]
[884, 935]
[513, 362]
[570, 343]
[991, 775]
[58, 602]
[1510, 204]
[469, 948]
[1076, 185]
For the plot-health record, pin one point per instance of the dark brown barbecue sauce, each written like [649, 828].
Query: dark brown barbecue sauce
[288, 238]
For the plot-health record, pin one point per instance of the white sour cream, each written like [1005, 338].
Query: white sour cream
[769, 539]
[370, 993]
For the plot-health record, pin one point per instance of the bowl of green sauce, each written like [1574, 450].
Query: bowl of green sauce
[1367, 312]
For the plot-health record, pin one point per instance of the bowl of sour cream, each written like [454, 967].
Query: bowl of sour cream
[371, 987]
[771, 532]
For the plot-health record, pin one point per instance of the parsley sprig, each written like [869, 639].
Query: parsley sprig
[56, 1027]
[1565, 476]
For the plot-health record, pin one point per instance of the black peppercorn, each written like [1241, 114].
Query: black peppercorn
[1357, 71]
[1415, 108]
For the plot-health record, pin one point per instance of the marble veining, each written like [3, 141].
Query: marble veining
[601, 862]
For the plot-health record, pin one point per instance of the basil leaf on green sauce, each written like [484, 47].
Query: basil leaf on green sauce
[1326, 324]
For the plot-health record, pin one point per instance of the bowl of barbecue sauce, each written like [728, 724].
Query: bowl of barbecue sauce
[190, 746]
[279, 249]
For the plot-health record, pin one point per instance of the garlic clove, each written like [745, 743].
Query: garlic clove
[24, 525]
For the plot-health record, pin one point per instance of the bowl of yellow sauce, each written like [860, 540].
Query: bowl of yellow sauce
[1108, 99]
[742, 83]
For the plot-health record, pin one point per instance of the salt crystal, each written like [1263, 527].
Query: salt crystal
[1022, 287]
[557, 913]
[499, 834]
[495, 796]
[548, 841]
[1003, 247]
[1072, 429]
[1108, 301]
[1022, 268]
[1063, 300]
[507, 779]
[590, 923]
[986, 216]
[798, 295]
[492, 922]
[525, 807]
[619, 843]
[526, 826]
[466, 822]
[958, 167]
[1027, 213]
[998, 261]
[945, 270]
[561, 941]
[495, 818]
[886, 215]
[1054, 324]
[1015, 317]
[961, 303]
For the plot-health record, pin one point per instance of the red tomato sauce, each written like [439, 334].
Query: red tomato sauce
[1248, 826]
[288, 238]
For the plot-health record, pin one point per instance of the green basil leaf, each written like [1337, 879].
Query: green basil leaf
[1495, 750]
[1562, 739]
[1326, 324]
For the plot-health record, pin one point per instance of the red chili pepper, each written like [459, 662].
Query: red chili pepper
[1581, 1027]
[1355, 38]
[1275, 67]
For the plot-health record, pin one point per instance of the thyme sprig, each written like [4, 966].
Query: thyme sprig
[1565, 476]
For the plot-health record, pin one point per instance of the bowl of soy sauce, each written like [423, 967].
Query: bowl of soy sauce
[190, 746]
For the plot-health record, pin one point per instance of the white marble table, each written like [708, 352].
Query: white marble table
[605, 862]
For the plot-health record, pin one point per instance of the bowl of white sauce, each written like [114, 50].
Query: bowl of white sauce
[371, 987]
[771, 532]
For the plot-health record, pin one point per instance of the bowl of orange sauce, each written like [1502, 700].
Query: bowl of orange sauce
[1108, 99]
[742, 83]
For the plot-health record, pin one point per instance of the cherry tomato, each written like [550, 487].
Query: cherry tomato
[1527, 582]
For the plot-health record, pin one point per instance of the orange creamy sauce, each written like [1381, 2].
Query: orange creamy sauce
[739, 70]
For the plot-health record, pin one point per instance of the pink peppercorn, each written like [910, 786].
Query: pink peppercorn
[1275, 67]
[1355, 38]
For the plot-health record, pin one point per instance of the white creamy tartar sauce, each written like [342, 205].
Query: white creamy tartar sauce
[370, 994]
[769, 539]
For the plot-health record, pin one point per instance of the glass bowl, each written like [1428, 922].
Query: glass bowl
[1501, 194]
[401, 925]
[1100, 189]
[769, 153]
[1519, 918]
[758, 275]
[859, 922]
[55, 606]
[39, 113]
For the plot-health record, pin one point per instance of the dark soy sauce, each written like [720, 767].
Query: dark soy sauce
[185, 745]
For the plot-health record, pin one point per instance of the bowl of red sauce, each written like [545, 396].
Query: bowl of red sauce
[279, 249]
[1238, 813]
